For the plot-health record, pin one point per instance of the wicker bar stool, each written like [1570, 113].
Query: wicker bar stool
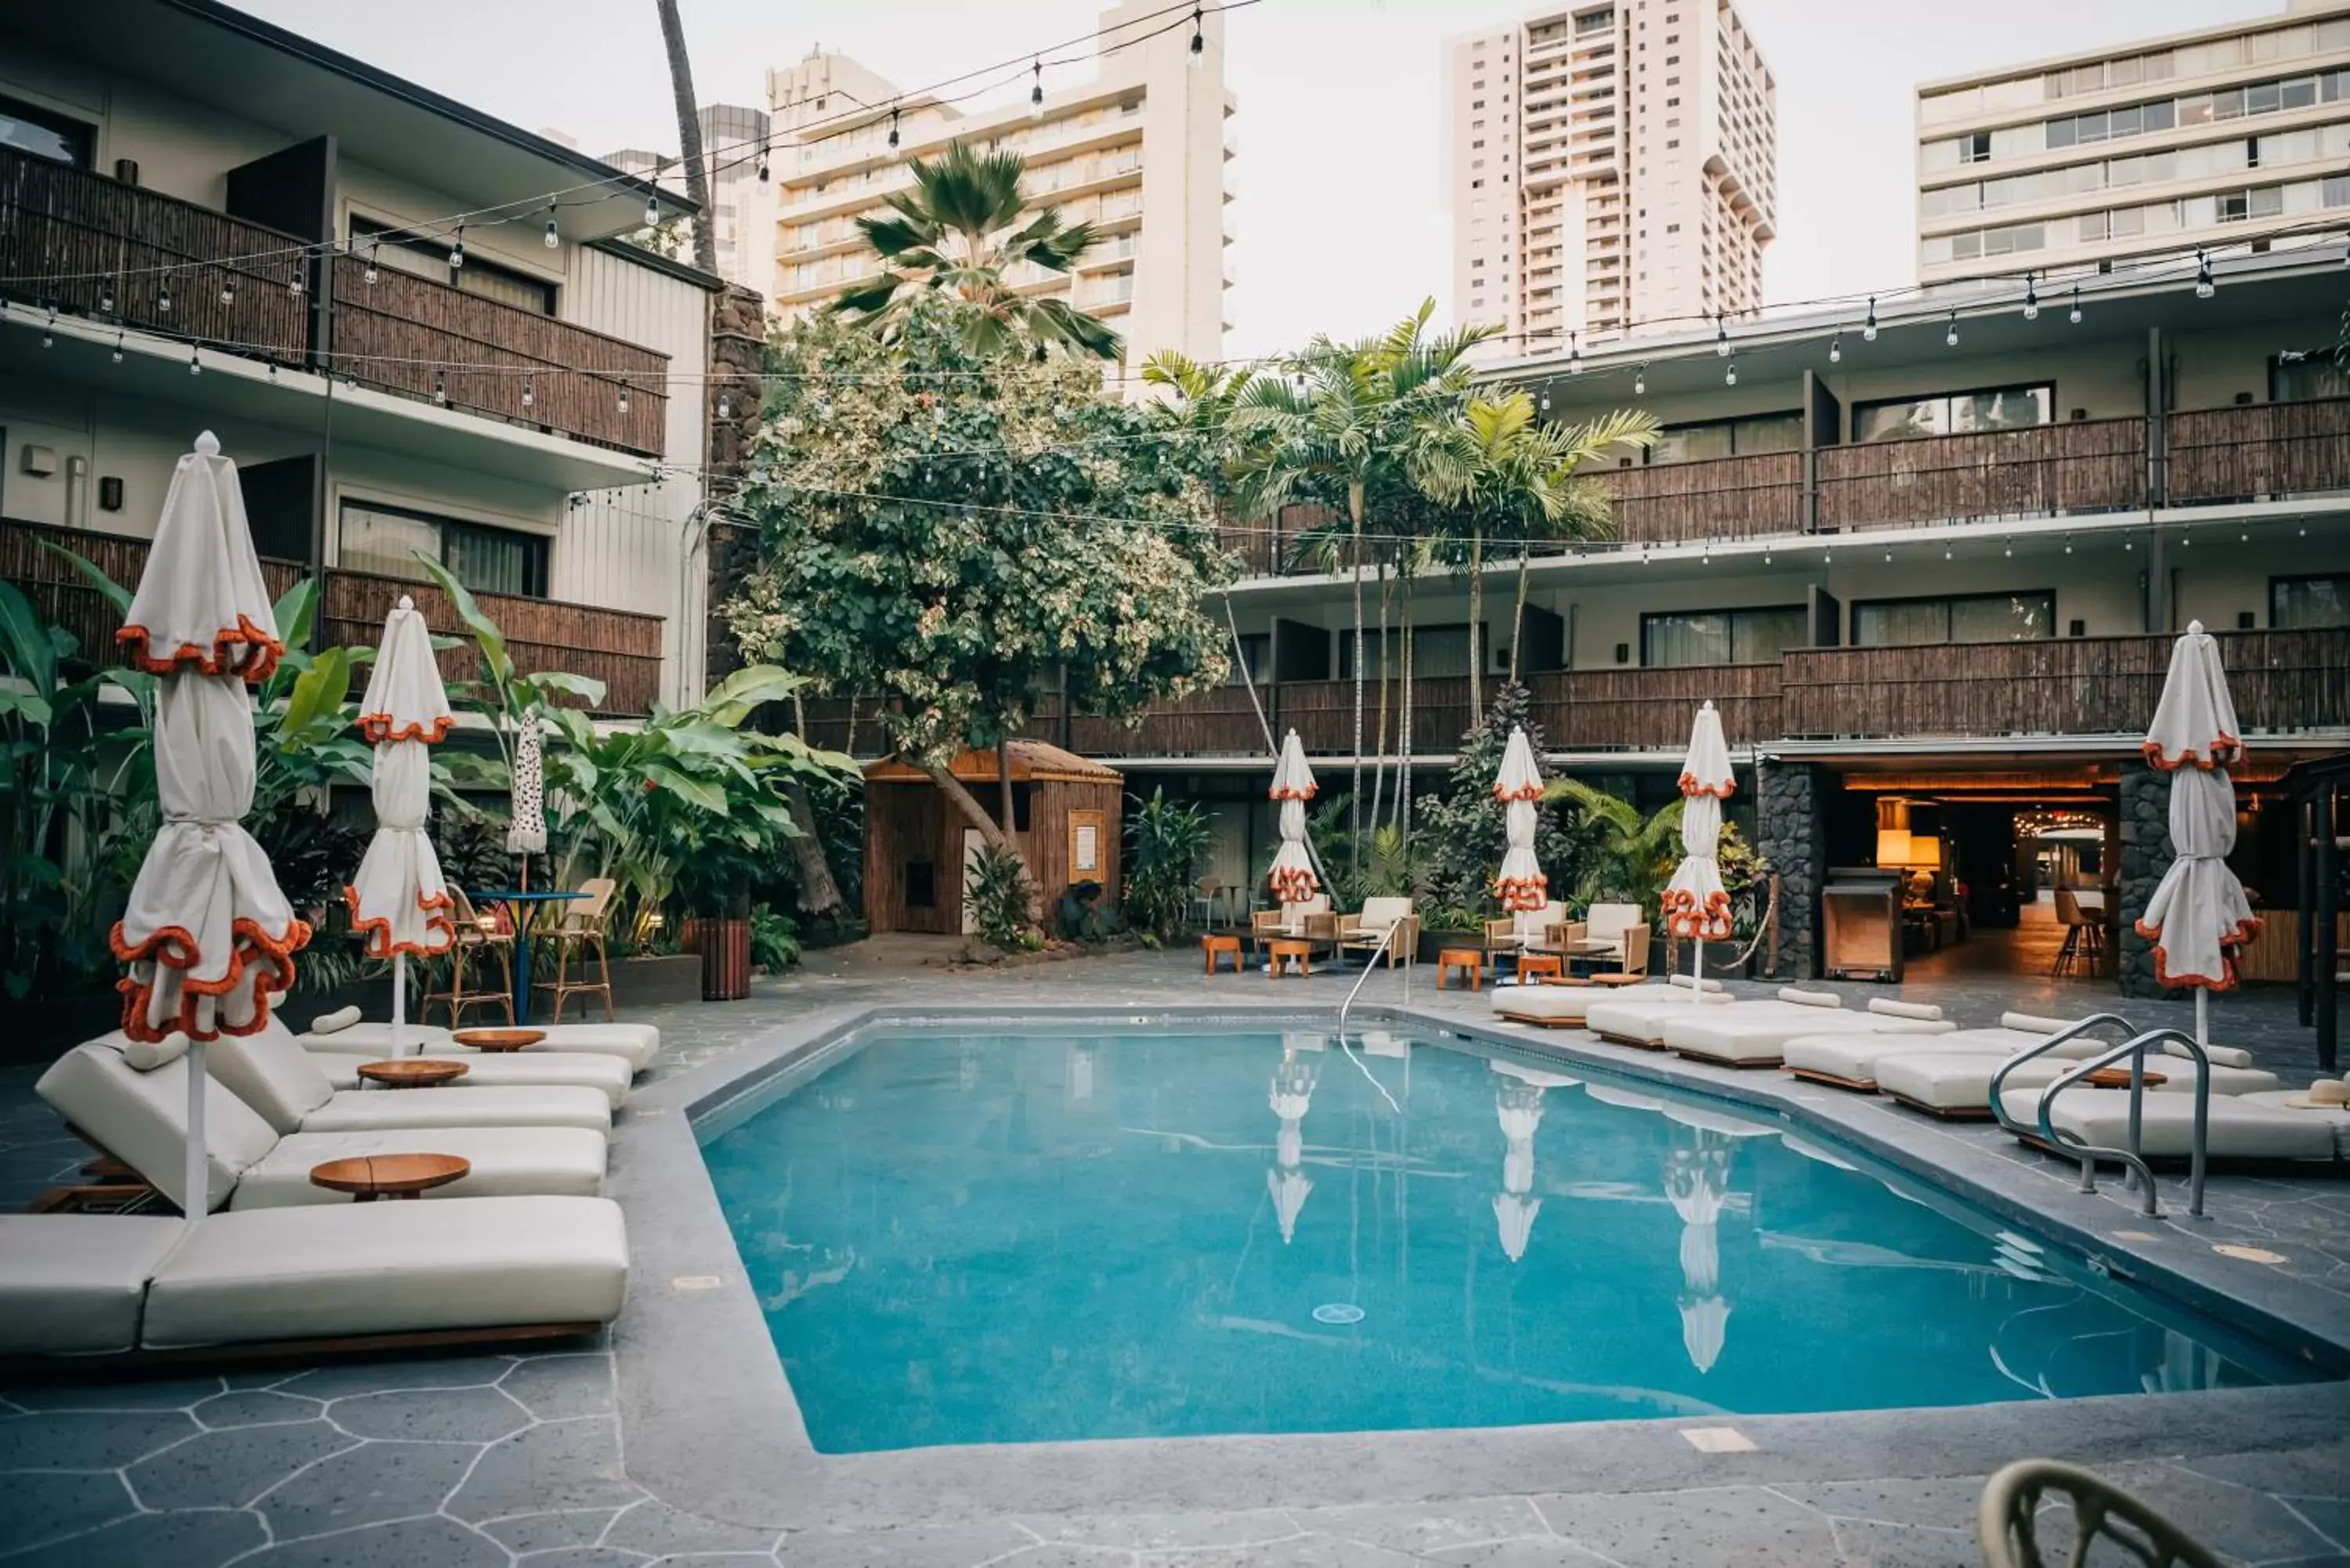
[479, 940]
[581, 935]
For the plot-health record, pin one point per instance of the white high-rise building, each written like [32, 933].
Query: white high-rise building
[1138, 151]
[742, 208]
[2212, 137]
[1609, 166]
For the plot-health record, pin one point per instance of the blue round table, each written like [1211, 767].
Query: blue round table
[522, 906]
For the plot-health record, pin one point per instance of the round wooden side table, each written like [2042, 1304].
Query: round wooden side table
[1289, 949]
[412, 1072]
[2119, 1078]
[369, 1177]
[495, 1041]
[1211, 944]
[1469, 961]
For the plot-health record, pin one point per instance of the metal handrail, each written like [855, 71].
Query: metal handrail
[1369, 963]
[2069, 1032]
[2198, 1147]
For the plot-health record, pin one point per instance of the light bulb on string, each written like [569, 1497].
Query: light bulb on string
[725, 406]
[1835, 350]
[1888, 557]
[163, 295]
[1545, 401]
[118, 346]
[653, 212]
[1730, 375]
[551, 239]
[1036, 93]
[2204, 286]
[106, 299]
[624, 397]
[529, 390]
[1950, 338]
[228, 289]
[294, 278]
[2073, 315]
[2068, 544]
[371, 272]
[1868, 328]
[1574, 354]
[2008, 548]
[1721, 336]
[2031, 299]
[440, 386]
[893, 131]
[1641, 381]
[1199, 40]
[761, 170]
[1946, 552]
[195, 363]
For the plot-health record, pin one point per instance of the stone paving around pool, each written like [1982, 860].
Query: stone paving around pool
[525, 1459]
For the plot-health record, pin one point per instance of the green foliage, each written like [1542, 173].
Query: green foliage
[998, 893]
[1463, 832]
[1166, 843]
[960, 536]
[1633, 855]
[774, 940]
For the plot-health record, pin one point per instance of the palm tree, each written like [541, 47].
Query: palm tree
[959, 230]
[1635, 855]
[689, 134]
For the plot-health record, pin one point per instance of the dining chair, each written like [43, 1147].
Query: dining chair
[480, 940]
[581, 934]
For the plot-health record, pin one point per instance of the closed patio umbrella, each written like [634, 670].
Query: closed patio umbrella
[2199, 915]
[1518, 1106]
[207, 935]
[526, 804]
[1694, 903]
[1521, 886]
[399, 902]
[1292, 1096]
[1697, 1183]
[1292, 877]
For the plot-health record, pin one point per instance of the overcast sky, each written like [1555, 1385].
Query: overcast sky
[1337, 225]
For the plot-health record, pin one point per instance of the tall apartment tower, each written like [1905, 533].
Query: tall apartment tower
[742, 207]
[2210, 137]
[1138, 151]
[1609, 166]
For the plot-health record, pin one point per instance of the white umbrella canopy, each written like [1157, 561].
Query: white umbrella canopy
[207, 935]
[1291, 877]
[527, 816]
[2199, 913]
[399, 902]
[1694, 902]
[1521, 886]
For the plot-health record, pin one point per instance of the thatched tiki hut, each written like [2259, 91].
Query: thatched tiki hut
[1065, 809]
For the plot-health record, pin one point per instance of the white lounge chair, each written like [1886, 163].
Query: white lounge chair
[1845, 1060]
[2100, 1117]
[2297, 1102]
[1383, 919]
[1958, 1087]
[270, 1072]
[1634, 1014]
[82, 1285]
[140, 1115]
[1546, 1006]
[1738, 1037]
[343, 1033]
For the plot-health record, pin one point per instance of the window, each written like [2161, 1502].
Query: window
[427, 255]
[2298, 377]
[2298, 603]
[384, 539]
[1954, 413]
[1975, 149]
[56, 137]
[1678, 639]
[1728, 438]
[1963, 618]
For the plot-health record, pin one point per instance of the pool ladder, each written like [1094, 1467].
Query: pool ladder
[2134, 1050]
[1369, 963]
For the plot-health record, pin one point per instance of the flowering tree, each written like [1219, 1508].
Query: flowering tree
[963, 533]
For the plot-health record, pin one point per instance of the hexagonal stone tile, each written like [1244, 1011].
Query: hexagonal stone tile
[2318, 1471]
[172, 1394]
[382, 1376]
[229, 1469]
[554, 1386]
[1729, 1527]
[434, 1542]
[544, 1532]
[560, 1465]
[1424, 1526]
[1868, 1544]
[611, 1557]
[37, 1508]
[431, 1416]
[254, 1408]
[657, 1529]
[1306, 1552]
[916, 1546]
[1171, 1531]
[77, 1441]
[1947, 1502]
[369, 1483]
[180, 1540]
[2232, 1520]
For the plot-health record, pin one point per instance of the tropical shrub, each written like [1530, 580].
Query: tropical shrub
[998, 893]
[1632, 856]
[1463, 834]
[1166, 843]
[774, 940]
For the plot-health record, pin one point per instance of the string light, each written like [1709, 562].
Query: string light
[763, 151]
[1946, 552]
[228, 289]
[624, 397]
[1199, 40]
[371, 274]
[1835, 350]
[1036, 93]
[49, 333]
[440, 386]
[2204, 286]
[195, 365]
[118, 346]
[1730, 375]
[893, 138]
[2031, 299]
[294, 281]
[725, 406]
[1641, 381]
[1721, 336]
[1574, 356]
[529, 390]
[2009, 549]
[2075, 315]
[552, 240]
[1868, 328]
[1950, 338]
[163, 295]
[457, 249]
[653, 212]
[106, 299]
[2068, 544]
[1545, 400]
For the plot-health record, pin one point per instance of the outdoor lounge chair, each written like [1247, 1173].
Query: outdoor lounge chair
[2298, 1102]
[1308, 921]
[1636, 1014]
[1749, 1038]
[1844, 1060]
[1363, 932]
[270, 1072]
[2236, 1131]
[1546, 1006]
[85, 1284]
[1957, 1086]
[1517, 932]
[140, 1115]
[635, 1043]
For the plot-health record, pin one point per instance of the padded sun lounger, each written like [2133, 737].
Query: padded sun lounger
[1848, 1061]
[139, 1115]
[607, 1076]
[1550, 1006]
[1958, 1086]
[2238, 1131]
[635, 1043]
[2294, 1102]
[1634, 1014]
[270, 1072]
[85, 1284]
[1737, 1039]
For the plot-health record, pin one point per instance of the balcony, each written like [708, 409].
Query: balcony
[85, 244]
[2265, 451]
[619, 647]
[2042, 471]
[1714, 498]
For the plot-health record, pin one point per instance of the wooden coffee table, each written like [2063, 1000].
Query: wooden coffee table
[1282, 949]
[495, 1041]
[412, 1072]
[2119, 1078]
[1213, 943]
[1469, 962]
[1531, 964]
[370, 1177]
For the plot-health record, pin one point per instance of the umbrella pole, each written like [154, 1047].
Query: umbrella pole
[1697, 974]
[399, 999]
[2203, 1015]
[196, 1192]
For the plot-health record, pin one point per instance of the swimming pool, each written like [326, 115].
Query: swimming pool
[972, 1235]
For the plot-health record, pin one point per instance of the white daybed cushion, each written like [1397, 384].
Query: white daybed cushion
[1551, 1003]
[1854, 1056]
[270, 1072]
[636, 1044]
[608, 1075]
[2334, 1116]
[1739, 1036]
[1962, 1082]
[2238, 1131]
[390, 1267]
[507, 1162]
[142, 1118]
[72, 1283]
[1636, 1012]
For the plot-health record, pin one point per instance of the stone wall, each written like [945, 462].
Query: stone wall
[738, 328]
[1789, 833]
[2146, 855]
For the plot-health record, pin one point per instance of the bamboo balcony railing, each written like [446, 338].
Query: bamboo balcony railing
[2040, 470]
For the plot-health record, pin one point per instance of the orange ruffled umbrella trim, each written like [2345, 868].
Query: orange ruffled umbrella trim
[2224, 751]
[1524, 791]
[174, 947]
[1522, 895]
[138, 646]
[1293, 884]
[1305, 794]
[2243, 932]
[380, 945]
[1685, 917]
[1691, 785]
[378, 728]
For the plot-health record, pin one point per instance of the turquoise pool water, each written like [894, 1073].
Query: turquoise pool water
[987, 1236]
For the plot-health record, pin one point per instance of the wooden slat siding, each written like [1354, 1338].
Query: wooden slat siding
[391, 333]
[1718, 498]
[2281, 681]
[619, 647]
[1214, 723]
[67, 237]
[62, 595]
[1653, 710]
[2090, 465]
[2261, 451]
